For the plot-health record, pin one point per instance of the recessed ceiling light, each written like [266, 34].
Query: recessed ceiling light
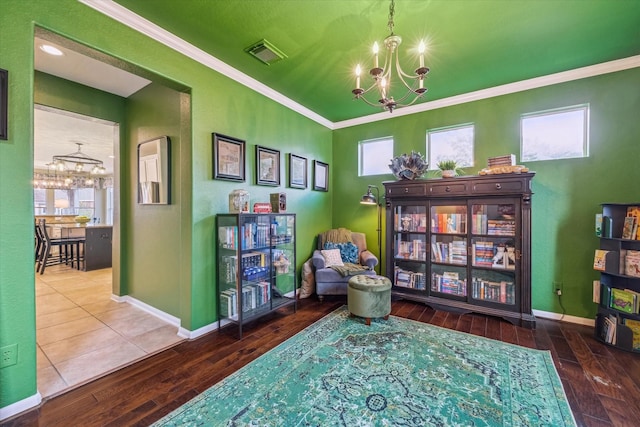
[47, 48]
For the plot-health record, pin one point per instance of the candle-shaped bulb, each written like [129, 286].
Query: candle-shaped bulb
[358, 71]
[375, 53]
[421, 48]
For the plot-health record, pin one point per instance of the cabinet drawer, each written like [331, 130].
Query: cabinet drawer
[406, 190]
[448, 188]
[503, 186]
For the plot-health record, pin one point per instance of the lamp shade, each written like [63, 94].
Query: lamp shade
[61, 203]
[368, 199]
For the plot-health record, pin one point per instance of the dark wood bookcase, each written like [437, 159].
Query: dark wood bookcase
[256, 268]
[462, 244]
[615, 276]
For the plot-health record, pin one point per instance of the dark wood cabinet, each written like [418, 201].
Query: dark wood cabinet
[462, 244]
[98, 247]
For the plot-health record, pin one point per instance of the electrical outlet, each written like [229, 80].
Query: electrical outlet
[8, 355]
[557, 287]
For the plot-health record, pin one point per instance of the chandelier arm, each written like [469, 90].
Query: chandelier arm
[372, 104]
[402, 74]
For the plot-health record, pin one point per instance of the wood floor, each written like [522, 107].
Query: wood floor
[601, 383]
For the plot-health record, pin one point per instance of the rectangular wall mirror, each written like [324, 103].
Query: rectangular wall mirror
[153, 171]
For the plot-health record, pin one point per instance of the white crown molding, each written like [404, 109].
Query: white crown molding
[537, 82]
[138, 23]
[20, 406]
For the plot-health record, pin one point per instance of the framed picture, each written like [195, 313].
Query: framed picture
[4, 89]
[228, 158]
[297, 171]
[320, 176]
[267, 166]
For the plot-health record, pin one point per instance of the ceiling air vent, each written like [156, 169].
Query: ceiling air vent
[265, 52]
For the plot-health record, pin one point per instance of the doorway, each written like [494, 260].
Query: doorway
[82, 332]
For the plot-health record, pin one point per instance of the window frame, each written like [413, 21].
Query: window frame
[362, 144]
[432, 162]
[586, 108]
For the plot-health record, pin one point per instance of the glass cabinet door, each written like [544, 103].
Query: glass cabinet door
[449, 250]
[410, 246]
[283, 259]
[495, 253]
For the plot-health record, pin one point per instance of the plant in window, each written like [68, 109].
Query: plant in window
[449, 168]
[410, 166]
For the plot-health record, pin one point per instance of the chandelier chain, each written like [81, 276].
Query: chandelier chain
[392, 10]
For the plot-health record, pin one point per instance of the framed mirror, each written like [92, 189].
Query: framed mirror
[154, 175]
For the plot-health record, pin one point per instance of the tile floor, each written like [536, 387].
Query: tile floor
[82, 334]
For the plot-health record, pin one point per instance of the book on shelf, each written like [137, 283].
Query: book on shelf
[632, 263]
[629, 227]
[624, 300]
[411, 222]
[501, 227]
[634, 211]
[609, 329]
[479, 223]
[482, 253]
[598, 224]
[454, 252]
[634, 325]
[596, 291]
[449, 223]
[448, 283]
[228, 303]
[496, 291]
[600, 260]
[409, 279]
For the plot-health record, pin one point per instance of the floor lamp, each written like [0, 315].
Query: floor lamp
[370, 199]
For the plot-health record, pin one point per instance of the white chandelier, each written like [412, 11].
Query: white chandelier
[382, 77]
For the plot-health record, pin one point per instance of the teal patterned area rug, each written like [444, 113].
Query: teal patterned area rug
[340, 372]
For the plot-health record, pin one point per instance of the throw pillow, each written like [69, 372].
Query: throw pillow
[331, 257]
[308, 281]
[348, 251]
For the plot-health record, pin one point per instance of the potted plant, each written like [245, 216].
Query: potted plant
[449, 168]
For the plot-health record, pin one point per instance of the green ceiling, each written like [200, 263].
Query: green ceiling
[473, 44]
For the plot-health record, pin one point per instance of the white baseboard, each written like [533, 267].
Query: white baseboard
[191, 335]
[564, 317]
[175, 321]
[20, 406]
[172, 320]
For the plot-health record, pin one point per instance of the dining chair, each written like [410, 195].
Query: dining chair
[68, 249]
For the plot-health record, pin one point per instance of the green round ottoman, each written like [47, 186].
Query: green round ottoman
[369, 297]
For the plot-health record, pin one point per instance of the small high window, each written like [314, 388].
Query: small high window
[374, 156]
[451, 143]
[555, 134]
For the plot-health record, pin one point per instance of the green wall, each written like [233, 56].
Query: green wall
[568, 193]
[217, 104]
[157, 266]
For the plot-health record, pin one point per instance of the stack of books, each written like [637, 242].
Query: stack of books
[506, 160]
